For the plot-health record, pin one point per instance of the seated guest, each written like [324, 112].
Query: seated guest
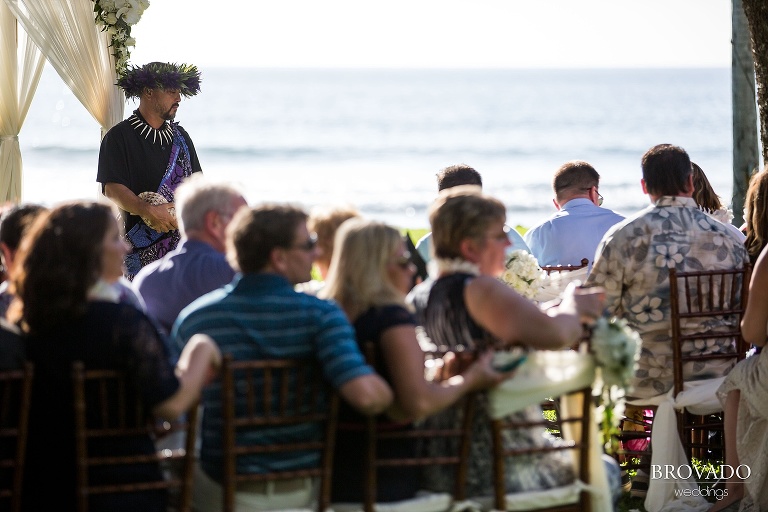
[756, 213]
[204, 209]
[13, 223]
[635, 256]
[744, 395]
[468, 306]
[324, 222]
[69, 312]
[574, 232]
[369, 277]
[633, 262]
[454, 176]
[260, 316]
[709, 202]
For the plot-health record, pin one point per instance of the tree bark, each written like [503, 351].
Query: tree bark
[757, 18]
[745, 142]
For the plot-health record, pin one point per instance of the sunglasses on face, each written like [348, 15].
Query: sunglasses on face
[307, 245]
[404, 260]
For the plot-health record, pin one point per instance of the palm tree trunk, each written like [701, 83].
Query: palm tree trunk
[745, 141]
[757, 18]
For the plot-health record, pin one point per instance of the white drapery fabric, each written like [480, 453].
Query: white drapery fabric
[78, 50]
[22, 64]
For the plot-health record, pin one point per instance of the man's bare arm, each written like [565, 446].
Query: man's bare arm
[160, 218]
[369, 394]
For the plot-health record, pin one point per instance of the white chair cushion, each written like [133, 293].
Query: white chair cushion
[426, 502]
[533, 500]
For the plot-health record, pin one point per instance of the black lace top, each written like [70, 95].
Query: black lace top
[110, 336]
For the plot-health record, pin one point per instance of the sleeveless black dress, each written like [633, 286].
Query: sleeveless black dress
[441, 311]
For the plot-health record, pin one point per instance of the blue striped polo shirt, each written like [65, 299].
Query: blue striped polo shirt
[260, 316]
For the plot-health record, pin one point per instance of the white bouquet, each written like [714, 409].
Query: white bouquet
[616, 348]
[523, 274]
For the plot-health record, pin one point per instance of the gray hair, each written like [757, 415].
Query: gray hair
[198, 195]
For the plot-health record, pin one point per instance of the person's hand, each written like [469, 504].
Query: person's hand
[482, 375]
[589, 302]
[160, 218]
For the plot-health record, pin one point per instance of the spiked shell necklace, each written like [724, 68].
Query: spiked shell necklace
[163, 135]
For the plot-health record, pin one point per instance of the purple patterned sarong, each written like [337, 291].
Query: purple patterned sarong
[148, 245]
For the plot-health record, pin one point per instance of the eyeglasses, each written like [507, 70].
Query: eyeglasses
[500, 237]
[599, 196]
[308, 245]
[226, 215]
[403, 261]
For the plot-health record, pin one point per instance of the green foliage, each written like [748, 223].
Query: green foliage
[415, 234]
[627, 503]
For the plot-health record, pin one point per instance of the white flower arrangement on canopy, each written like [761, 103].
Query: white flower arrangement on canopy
[116, 17]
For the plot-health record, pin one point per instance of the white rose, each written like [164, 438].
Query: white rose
[130, 16]
[108, 5]
[110, 18]
[130, 41]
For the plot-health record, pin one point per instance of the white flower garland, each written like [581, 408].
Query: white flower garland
[116, 17]
[440, 267]
[724, 215]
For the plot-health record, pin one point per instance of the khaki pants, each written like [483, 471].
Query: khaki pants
[207, 494]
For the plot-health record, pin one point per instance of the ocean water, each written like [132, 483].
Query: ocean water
[375, 138]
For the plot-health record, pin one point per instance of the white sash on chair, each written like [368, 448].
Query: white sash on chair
[698, 397]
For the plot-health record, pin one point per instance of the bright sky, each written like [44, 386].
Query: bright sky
[437, 33]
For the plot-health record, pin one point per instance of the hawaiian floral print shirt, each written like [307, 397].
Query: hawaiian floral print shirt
[632, 264]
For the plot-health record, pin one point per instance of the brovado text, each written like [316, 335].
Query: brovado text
[683, 472]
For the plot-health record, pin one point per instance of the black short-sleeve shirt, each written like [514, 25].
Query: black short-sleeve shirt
[137, 160]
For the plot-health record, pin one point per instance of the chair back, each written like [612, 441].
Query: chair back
[565, 268]
[15, 393]
[274, 394]
[108, 413]
[715, 298]
[574, 417]
[457, 436]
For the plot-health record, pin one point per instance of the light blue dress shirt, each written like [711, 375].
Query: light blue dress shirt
[571, 234]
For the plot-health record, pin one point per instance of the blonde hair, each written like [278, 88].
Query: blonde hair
[358, 279]
[324, 221]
